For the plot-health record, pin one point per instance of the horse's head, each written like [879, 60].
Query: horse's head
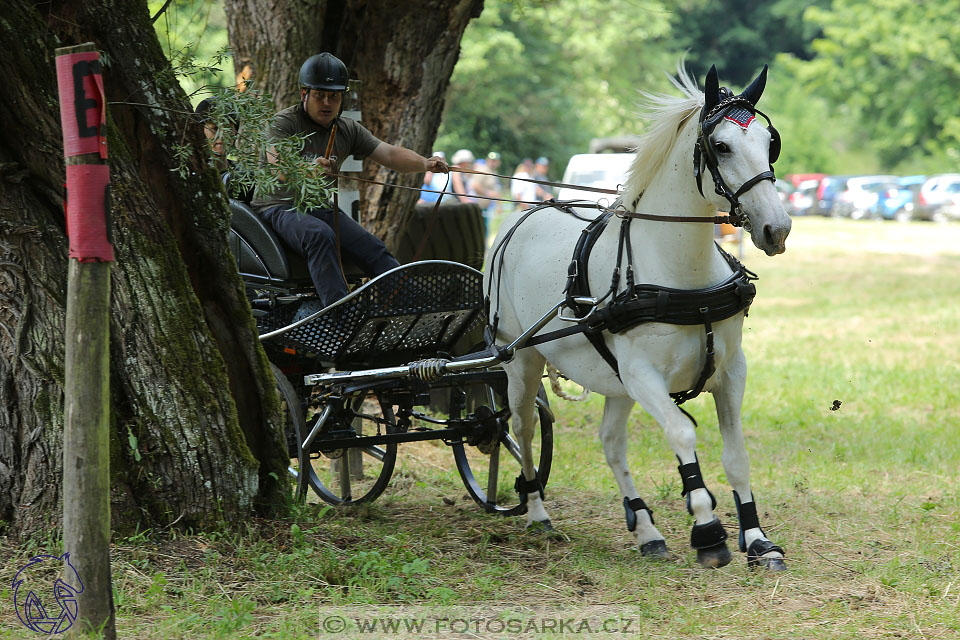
[739, 152]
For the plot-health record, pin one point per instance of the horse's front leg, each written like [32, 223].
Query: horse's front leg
[728, 395]
[613, 435]
[523, 375]
[708, 536]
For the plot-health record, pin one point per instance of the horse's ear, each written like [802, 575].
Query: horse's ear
[711, 90]
[753, 92]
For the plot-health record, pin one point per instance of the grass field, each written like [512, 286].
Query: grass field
[864, 498]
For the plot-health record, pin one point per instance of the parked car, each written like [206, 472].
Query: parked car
[896, 201]
[796, 178]
[949, 210]
[827, 191]
[934, 193]
[602, 170]
[860, 194]
[802, 198]
[784, 189]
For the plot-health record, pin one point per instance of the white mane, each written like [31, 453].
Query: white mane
[665, 114]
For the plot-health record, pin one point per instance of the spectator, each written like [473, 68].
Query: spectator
[475, 183]
[521, 190]
[459, 182]
[428, 195]
[540, 170]
[485, 185]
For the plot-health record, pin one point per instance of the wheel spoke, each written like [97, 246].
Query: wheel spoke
[375, 451]
[512, 446]
[347, 480]
[343, 463]
[485, 475]
[493, 474]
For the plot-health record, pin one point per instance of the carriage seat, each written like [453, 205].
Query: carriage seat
[260, 254]
[263, 257]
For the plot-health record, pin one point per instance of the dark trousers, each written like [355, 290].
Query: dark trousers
[311, 235]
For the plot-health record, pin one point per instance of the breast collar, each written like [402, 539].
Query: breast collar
[638, 304]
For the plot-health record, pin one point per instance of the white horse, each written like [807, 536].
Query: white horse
[527, 271]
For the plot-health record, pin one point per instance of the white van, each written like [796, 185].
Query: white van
[600, 170]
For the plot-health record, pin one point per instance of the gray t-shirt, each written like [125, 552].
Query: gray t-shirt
[352, 139]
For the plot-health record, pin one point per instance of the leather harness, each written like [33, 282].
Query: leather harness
[642, 303]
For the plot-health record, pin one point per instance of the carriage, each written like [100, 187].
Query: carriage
[362, 376]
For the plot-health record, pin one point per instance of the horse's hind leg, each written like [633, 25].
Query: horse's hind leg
[728, 395]
[524, 374]
[613, 435]
[708, 536]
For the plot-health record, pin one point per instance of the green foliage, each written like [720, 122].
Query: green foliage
[854, 87]
[895, 67]
[233, 616]
[194, 38]
[544, 78]
[191, 30]
[817, 135]
[400, 575]
[739, 37]
[242, 119]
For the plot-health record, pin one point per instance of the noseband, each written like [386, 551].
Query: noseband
[704, 153]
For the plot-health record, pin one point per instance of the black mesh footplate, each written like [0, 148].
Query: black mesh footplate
[412, 312]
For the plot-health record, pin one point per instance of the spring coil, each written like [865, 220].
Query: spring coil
[428, 370]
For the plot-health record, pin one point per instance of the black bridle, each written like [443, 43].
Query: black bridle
[705, 154]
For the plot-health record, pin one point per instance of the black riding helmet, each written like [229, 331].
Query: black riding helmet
[325, 72]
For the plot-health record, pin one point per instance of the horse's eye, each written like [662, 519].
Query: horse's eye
[721, 147]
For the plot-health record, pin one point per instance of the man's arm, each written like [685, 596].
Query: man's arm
[405, 160]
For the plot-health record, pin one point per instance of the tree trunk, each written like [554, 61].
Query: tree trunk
[194, 415]
[404, 54]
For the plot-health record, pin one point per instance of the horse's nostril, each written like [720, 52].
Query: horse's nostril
[767, 235]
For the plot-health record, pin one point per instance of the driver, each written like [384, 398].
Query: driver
[323, 80]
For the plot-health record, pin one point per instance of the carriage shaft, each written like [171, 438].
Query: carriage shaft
[459, 432]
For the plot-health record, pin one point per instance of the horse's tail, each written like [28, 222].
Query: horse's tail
[554, 376]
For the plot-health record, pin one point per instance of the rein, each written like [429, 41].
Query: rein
[622, 212]
[561, 185]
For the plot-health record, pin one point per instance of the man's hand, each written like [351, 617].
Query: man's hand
[328, 165]
[437, 165]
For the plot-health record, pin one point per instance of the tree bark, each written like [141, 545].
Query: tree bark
[194, 418]
[404, 54]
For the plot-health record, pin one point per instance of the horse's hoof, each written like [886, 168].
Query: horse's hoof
[775, 563]
[756, 556]
[656, 549]
[539, 525]
[714, 557]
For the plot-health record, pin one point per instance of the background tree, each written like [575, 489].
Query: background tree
[193, 402]
[543, 78]
[739, 37]
[403, 53]
[893, 68]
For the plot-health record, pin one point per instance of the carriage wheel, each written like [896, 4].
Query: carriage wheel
[489, 477]
[348, 476]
